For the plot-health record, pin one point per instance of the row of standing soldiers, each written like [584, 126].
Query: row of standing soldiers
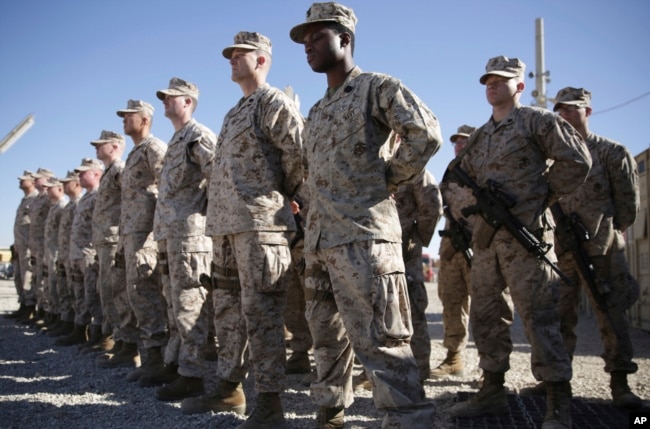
[210, 229]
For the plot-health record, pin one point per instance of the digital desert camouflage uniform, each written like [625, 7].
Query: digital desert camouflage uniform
[419, 205]
[83, 267]
[258, 170]
[23, 272]
[180, 221]
[37, 215]
[139, 195]
[118, 318]
[65, 289]
[355, 286]
[607, 204]
[454, 285]
[52, 223]
[515, 154]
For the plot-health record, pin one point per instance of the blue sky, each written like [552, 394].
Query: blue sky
[74, 63]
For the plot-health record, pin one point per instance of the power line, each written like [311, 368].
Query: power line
[622, 104]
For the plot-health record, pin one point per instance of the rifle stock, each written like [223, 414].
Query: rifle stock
[493, 204]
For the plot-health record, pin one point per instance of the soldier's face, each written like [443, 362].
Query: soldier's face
[174, 106]
[39, 183]
[575, 115]
[69, 187]
[132, 122]
[323, 47]
[26, 184]
[459, 144]
[500, 90]
[242, 64]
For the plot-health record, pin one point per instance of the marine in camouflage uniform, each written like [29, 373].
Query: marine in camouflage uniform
[356, 290]
[257, 172]
[607, 204]
[117, 318]
[52, 222]
[65, 292]
[454, 285]
[180, 221]
[516, 148]
[22, 270]
[83, 267]
[37, 215]
[419, 205]
[139, 194]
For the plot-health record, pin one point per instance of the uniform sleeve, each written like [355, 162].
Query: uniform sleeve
[562, 144]
[155, 157]
[624, 181]
[201, 152]
[416, 125]
[283, 127]
[429, 206]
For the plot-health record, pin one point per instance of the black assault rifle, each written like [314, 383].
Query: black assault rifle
[458, 235]
[571, 234]
[493, 204]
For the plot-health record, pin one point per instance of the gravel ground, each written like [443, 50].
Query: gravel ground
[57, 387]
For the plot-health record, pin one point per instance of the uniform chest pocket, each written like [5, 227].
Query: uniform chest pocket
[234, 131]
[517, 151]
[348, 121]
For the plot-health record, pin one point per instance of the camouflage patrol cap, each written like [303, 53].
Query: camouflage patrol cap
[43, 173]
[325, 12]
[572, 96]
[137, 106]
[108, 137]
[178, 86]
[71, 176]
[247, 40]
[27, 175]
[89, 164]
[503, 66]
[52, 182]
[463, 131]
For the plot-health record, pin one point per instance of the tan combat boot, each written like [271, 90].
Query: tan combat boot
[451, 366]
[268, 413]
[298, 363]
[166, 374]
[622, 395]
[94, 337]
[28, 315]
[491, 399]
[330, 418]
[65, 329]
[127, 357]
[229, 396]
[77, 336]
[152, 361]
[181, 388]
[558, 405]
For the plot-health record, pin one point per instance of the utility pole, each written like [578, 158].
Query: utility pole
[541, 76]
[16, 133]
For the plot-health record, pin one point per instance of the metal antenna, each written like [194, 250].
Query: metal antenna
[541, 76]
